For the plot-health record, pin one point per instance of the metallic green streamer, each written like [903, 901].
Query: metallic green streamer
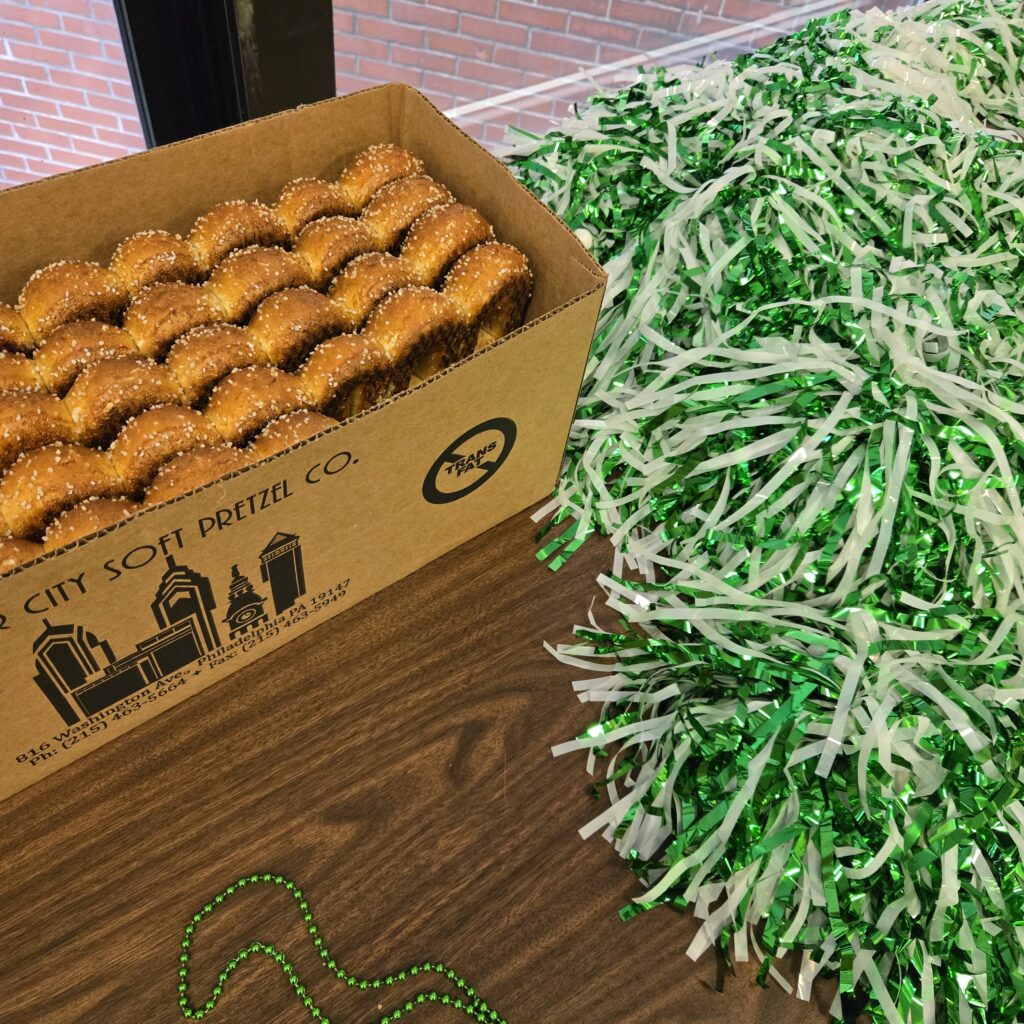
[801, 427]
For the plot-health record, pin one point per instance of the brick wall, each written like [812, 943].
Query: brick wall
[65, 97]
[460, 51]
[66, 100]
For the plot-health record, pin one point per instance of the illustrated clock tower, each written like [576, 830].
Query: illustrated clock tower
[245, 606]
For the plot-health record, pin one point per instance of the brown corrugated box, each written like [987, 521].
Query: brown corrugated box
[106, 634]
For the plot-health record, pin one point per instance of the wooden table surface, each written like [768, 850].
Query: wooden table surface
[396, 763]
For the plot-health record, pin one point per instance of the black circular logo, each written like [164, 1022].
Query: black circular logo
[469, 461]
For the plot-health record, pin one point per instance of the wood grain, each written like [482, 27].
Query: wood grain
[396, 763]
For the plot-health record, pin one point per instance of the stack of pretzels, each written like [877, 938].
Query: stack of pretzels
[188, 358]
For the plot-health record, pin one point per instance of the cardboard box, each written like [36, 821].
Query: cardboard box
[104, 635]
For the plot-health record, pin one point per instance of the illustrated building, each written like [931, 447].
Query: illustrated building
[183, 593]
[281, 567]
[245, 606]
[65, 657]
[79, 674]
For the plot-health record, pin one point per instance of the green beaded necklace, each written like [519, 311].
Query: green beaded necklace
[468, 1002]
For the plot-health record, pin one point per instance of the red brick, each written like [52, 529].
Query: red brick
[345, 83]
[106, 69]
[488, 28]
[343, 21]
[10, 66]
[17, 176]
[697, 24]
[528, 60]
[750, 10]
[102, 150]
[14, 30]
[392, 31]
[598, 8]
[445, 42]
[126, 108]
[424, 15]
[34, 15]
[103, 10]
[92, 27]
[119, 138]
[582, 50]
[478, 71]
[71, 41]
[378, 72]
[422, 59]
[532, 14]
[80, 8]
[64, 127]
[19, 101]
[654, 39]
[76, 80]
[123, 89]
[42, 136]
[61, 93]
[609, 53]
[85, 115]
[463, 90]
[345, 64]
[646, 13]
[12, 83]
[605, 31]
[39, 55]
[373, 49]
[378, 7]
[483, 8]
[114, 52]
[22, 147]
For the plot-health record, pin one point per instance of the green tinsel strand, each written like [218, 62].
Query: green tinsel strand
[801, 426]
[465, 1000]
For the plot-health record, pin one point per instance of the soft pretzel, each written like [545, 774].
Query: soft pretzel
[14, 552]
[363, 283]
[30, 421]
[86, 518]
[289, 430]
[18, 373]
[329, 243]
[306, 199]
[393, 209]
[245, 277]
[109, 393]
[14, 333]
[439, 237]
[350, 373]
[66, 291]
[71, 348]
[288, 324]
[236, 224]
[491, 284]
[152, 257]
[154, 437]
[374, 168]
[42, 483]
[419, 330]
[245, 401]
[200, 359]
[194, 469]
[163, 312]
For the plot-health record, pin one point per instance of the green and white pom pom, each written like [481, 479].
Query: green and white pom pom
[802, 428]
